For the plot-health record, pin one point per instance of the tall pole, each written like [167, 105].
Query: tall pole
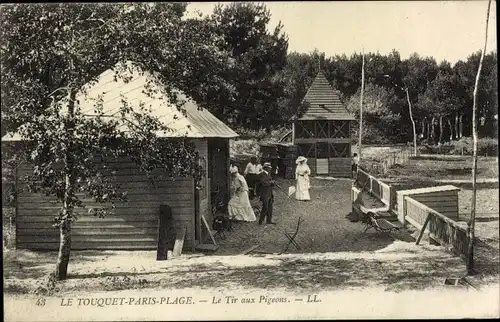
[361, 106]
[472, 219]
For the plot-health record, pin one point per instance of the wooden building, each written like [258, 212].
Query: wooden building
[322, 134]
[134, 225]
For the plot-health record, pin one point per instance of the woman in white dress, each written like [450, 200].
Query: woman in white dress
[302, 173]
[239, 206]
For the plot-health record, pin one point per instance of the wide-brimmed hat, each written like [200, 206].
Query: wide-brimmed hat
[300, 159]
[267, 165]
[233, 169]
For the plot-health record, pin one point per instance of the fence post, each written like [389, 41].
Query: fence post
[423, 228]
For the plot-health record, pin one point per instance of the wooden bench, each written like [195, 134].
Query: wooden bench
[373, 219]
[369, 194]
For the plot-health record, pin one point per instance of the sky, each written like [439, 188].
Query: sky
[445, 30]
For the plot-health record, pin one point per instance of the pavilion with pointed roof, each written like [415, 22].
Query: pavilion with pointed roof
[322, 133]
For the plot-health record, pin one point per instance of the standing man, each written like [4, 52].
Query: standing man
[266, 184]
[251, 174]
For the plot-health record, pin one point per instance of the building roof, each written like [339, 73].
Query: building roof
[132, 88]
[324, 102]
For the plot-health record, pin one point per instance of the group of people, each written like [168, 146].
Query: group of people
[258, 181]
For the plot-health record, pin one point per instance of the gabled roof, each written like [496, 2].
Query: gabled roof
[321, 93]
[131, 87]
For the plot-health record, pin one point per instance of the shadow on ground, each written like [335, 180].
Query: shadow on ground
[332, 274]
[23, 264]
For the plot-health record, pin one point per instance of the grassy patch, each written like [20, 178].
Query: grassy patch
[442, 167]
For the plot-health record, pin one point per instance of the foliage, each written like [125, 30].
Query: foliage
[257, 57]
[379, 120]
[485, 147]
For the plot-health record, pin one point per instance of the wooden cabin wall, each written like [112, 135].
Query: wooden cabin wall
[133, 225]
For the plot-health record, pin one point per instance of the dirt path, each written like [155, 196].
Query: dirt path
[324, 227]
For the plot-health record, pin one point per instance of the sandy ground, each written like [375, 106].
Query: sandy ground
[367, 284]
[325, 227]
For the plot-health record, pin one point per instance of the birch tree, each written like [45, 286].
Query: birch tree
[472, 219]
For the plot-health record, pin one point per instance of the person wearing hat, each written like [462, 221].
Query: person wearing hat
[239, 207]
[302, 173]
[265, 190]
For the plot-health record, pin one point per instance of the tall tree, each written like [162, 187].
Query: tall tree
[257, 58]
[297, 75]
[48, 53]
[361, 106]
[441, 98]
[380, 124]
[472, 219]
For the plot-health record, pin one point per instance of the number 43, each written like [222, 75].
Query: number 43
[40, 302]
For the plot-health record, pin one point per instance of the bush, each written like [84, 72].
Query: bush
[464, 146]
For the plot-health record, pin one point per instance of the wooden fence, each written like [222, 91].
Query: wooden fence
[399, 157]
[440, 228]
[376, 187]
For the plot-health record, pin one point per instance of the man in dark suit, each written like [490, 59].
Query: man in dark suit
[265, 191]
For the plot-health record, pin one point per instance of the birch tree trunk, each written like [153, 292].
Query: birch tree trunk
[429, 135]
[440, 129]
[433, 129]
[68, 203]
[457, 134]
[412, 122]
[472, 219]
[361, 106]
[451, 128]
[423, 128]
[461, 125]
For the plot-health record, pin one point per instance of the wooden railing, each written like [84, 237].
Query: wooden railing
[375, 186]
[440, 228]
[399, 157]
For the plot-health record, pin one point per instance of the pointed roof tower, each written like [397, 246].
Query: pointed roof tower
[324, 102]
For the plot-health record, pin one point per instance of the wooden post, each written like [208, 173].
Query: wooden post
[472, 220]
[423, 228]
[165, 227]
[179, 242]
[207, 226]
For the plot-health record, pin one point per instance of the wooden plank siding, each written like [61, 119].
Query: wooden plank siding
[444, 202]
[339, 167]
[131, 225]
[442, 199]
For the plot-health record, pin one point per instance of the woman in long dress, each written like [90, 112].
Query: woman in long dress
[302, 173]
[239, 206]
